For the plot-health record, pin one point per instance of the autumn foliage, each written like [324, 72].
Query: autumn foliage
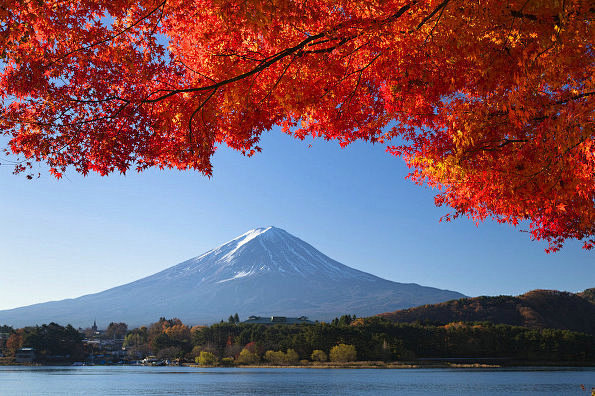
[491, 102]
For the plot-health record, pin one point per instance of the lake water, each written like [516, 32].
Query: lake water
[132, 380]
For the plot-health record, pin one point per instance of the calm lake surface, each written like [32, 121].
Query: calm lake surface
[132, 380]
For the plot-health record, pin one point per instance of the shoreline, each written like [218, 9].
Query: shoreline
[407, 365]
[354, 365]
[347, 365]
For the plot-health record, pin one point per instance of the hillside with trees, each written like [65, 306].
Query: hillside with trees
[536, 309]
[588, 294]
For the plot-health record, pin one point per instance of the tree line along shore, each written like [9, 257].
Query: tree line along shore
[344, 342]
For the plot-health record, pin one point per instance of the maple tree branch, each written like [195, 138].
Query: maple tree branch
[431, 33]
[52, 123]
[329, 49]
[555, 159]
[428, 17]
[576, 97]
[520, 14]
[158, 19]
[509, 141]
[359, 78]
[277, 57]
[89, 101]
[202, 105]
[297, 50]
[321, 42]
[398, 14]
[85, 48]
[194, 71]
[488, 147]
[262, 66]
[309, 41]
[501, 113]
[277, 82]
[346, 75]
[244, 57]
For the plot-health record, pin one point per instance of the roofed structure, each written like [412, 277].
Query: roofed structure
[272, 320]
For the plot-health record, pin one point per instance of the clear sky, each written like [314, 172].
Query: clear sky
[62, 239]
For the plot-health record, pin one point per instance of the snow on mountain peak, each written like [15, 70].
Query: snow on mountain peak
[266, 250]
[242, 240]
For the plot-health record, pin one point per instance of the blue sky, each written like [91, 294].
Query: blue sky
[63, 239]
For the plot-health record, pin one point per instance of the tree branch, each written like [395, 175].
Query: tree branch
[84, 48]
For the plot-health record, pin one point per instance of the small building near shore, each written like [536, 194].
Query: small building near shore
[273, 320]
[25, 355]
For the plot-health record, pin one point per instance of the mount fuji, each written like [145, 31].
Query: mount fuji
[265, 271]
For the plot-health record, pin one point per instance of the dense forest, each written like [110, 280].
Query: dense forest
[363, 339]
[379, 339]
[51, 342]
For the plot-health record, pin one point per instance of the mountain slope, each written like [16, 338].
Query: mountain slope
[537, 309]
[265, 271]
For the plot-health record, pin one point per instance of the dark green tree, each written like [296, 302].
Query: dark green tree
[54, 342]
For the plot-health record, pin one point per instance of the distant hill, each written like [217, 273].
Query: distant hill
[264, 272]
[588, 294]
[537, 309]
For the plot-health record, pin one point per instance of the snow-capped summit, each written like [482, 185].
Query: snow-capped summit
[260, 251]
[265, 271]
